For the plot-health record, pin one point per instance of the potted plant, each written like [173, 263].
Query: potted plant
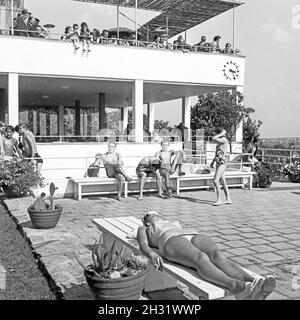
[18, 177]
[114, 276]
[266, 173]
[292, 171]
[45, 215]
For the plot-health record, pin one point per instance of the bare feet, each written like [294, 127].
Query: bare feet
[160, 195]
[119, 198]
[245, 293]
[218, 203]
[228, 201]
[267, 287]
[140, 197]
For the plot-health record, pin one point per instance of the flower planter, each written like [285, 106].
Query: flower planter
[45, 219]
[294, 178]
[124, 288]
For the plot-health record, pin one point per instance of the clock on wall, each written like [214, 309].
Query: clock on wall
[231, 70]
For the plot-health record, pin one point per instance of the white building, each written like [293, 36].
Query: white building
[62, 94]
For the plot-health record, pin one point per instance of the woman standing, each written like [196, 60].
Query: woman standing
[221, 164]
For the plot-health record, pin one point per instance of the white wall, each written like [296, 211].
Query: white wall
[57, 58]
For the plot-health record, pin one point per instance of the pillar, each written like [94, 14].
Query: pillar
[124, 119]
[3, 104]
[138, 106]
[151, 113]
[186, 115]
[77, 118]
[239, 130]
[13, 99]
[102, 113]
[61, 127]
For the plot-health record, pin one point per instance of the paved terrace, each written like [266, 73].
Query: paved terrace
[260, 230]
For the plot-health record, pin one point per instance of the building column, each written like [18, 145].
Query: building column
[239, 130]
[186, 115]
[138, 106]
[102, 113]
[124, 119]
[3, 104]
[61, 126]
[13, 99]
[151, 113]
[77, 118]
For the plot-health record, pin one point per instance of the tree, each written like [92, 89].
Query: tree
[220, 110]
[160, 124]
[250, 129]
[145, 120]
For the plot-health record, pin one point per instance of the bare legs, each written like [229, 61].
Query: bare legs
[120, 180]
[143, 176]
[182, 251]
[220, 176]
[166, 175]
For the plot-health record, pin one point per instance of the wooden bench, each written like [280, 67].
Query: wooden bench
[199, 181]
[119, 228]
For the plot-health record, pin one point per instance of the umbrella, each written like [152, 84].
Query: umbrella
[124, 33]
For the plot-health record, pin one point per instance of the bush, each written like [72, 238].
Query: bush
[19, 176]
[292, 170]
[266, 173]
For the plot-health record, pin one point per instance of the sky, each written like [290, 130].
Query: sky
[266, 31]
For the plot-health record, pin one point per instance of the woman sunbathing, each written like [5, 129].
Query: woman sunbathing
[188, 248]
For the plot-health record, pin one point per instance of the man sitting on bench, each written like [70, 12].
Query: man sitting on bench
[149, 167]
[187, 247]
[170, 160]
[112, 162]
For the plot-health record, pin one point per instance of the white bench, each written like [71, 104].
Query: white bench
[199, 181]
[119, 228]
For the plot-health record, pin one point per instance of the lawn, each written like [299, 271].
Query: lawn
[24, 280]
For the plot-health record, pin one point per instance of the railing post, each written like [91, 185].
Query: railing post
[263, 155]
[290, 156]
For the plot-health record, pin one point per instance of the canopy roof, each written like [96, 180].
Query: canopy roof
[179, 15]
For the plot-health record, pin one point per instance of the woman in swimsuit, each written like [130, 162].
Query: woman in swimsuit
[221, 163]
[188, 248]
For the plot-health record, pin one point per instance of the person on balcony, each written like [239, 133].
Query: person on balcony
[113, 165]
[215, 45]
[134, 42]
[188, 247]
[2, 128]
[85, 36]
[228, 49]
[149, 167]
[180, 44]
[221, 164]
[104, 39]
[20, 24]
[156, 43]
[10, 144]
[29, 144]
[95, 36]
[67, 34]
[74, 36]
[200, 46]
[165, 43]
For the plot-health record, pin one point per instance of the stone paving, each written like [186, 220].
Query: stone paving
[260, 230]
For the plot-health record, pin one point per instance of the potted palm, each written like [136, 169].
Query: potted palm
[114, 276]
[266, 173]
[45, 215]
[18, 177]
[292, 171]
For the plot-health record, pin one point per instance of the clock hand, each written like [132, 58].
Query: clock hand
[232, 71]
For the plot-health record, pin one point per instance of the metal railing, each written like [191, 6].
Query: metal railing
[44, 34]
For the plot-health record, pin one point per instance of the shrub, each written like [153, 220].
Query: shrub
[19, 176]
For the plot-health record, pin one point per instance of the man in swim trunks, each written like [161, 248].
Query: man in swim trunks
[113, 165]
[187, 247]
[149, 167]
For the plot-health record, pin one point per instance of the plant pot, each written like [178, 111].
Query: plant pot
[125, 288]
[264, 183]
[10, 193]
[45, 219]
[294, 178]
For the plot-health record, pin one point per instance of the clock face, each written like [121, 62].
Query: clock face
[231, 70]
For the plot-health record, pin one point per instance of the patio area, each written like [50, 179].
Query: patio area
[260, 230]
